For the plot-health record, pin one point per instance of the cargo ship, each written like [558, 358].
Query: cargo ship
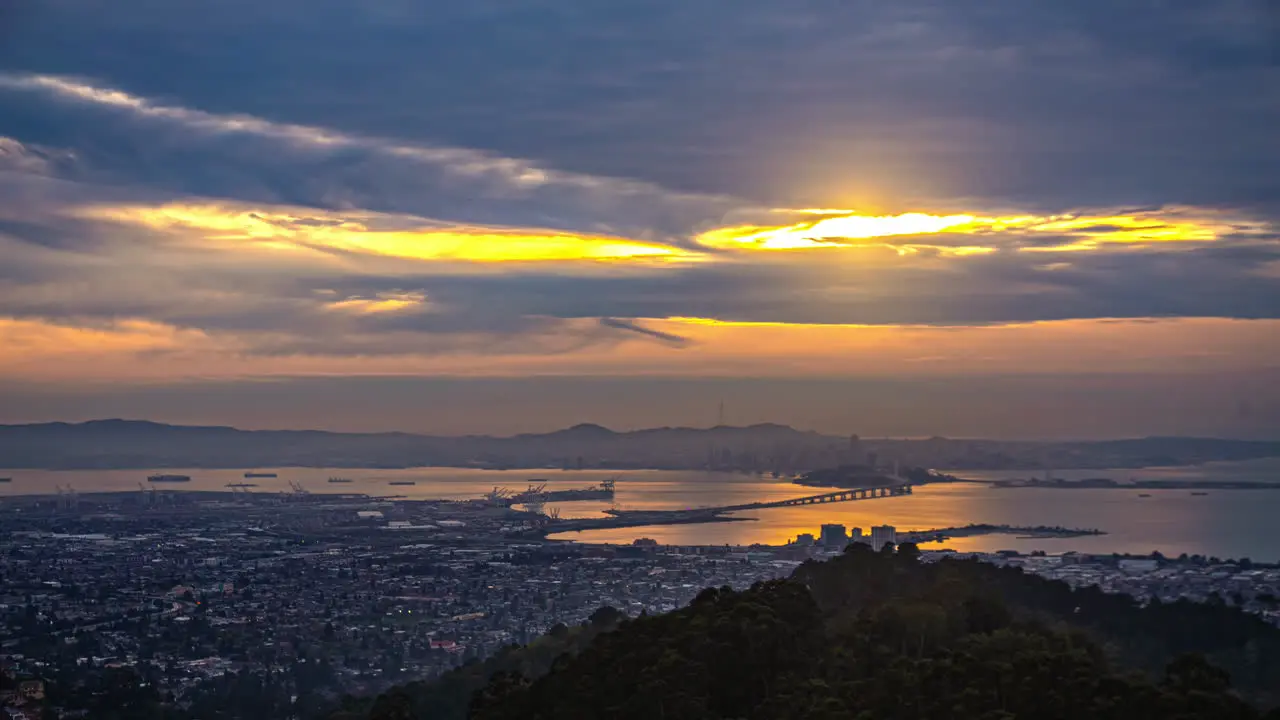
[402, 482]
[169, 478]
[260, 475]
[340, 480]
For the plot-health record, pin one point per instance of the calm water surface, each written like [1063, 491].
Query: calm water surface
[1223, 523]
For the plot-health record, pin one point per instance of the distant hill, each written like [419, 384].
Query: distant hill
[110, 444]
[105, 444]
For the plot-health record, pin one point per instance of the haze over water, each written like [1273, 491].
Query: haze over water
[1237, 523]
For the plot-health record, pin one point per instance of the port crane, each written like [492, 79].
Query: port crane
[498, 496]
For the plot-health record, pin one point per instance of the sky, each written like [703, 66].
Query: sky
[962, 217]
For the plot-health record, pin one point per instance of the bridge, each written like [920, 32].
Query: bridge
[848, 495]
[637, 518]
[869, 493]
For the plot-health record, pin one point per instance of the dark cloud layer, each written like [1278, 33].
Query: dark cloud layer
[1046, 103]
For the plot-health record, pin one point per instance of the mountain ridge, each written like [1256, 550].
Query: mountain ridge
[116, 443]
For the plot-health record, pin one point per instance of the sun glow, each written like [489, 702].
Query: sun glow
[848, 229]
[833, 231]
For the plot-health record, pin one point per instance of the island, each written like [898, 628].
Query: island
[1037, 531]
[853, 476]
[1109, 484]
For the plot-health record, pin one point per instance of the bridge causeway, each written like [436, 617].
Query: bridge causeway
[637, 518]
[851, 495]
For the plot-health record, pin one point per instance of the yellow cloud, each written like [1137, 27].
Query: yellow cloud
[832, 231]
[382, 303]
[310, 231]
[847, 228]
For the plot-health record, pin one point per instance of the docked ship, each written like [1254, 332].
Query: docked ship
[340, 480]
[260, 475]
[169, 478]
[603, 491]
[242, 485]
[402, 482]
[539, 493]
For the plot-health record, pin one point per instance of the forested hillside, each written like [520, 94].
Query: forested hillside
[882, 635]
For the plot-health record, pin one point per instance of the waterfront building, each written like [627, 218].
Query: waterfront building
[882, 535]
[833, 536]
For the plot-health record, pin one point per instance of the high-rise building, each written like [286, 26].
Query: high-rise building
[804, 540]
[882, 535]
[856, 536]
[833, 537]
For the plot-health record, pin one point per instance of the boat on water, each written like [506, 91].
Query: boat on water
[402, 482]
[1199, 493]
[1144, 494]
[169, 478]
[340, 480]
[242, 485]
[260, 475]
[5, 480]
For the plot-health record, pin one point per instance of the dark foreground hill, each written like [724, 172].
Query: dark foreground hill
[878, 635]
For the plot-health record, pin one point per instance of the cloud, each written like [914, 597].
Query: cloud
[635, 327]
[178, 150]
[558, 178]
[280, 280]
[16, 157]
[1039, 104]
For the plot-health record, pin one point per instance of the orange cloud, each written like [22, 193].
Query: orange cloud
[149, 352]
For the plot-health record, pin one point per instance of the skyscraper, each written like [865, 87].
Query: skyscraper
[833, 537]
[882, 535]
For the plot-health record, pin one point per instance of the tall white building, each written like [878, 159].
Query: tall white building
[882, 534]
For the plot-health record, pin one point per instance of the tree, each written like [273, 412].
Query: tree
[606, 616]
[394, 705]
[1192, 673]
[909, 551]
